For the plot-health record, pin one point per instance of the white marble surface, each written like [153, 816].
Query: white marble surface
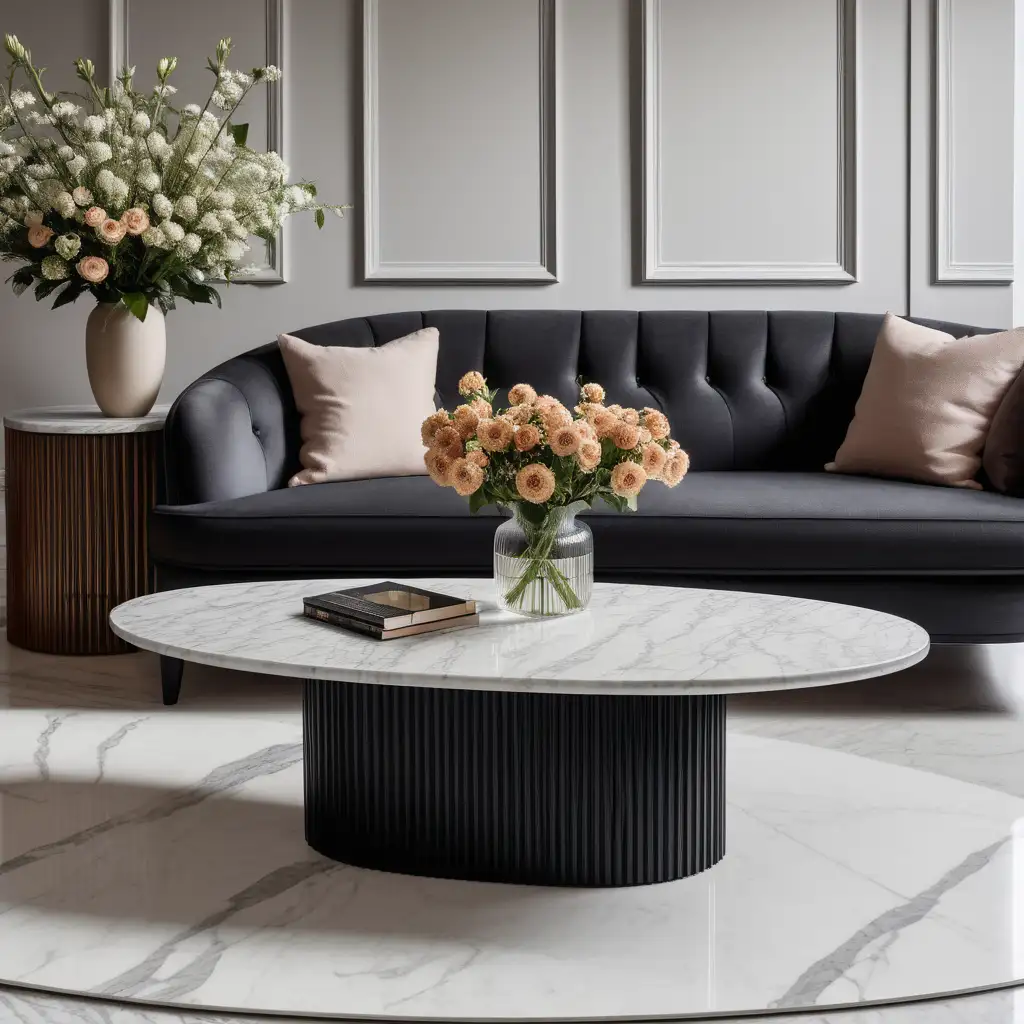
[632, 640]
[82, 419]
[157, 855]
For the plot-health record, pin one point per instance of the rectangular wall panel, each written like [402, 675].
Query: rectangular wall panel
[459, 140]
[143, 31]
[750, 140]
[974, 83]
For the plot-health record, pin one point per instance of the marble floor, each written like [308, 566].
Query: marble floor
[959, 716]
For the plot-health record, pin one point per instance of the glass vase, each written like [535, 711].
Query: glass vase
[544, 563]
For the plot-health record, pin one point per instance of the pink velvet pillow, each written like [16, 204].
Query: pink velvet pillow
[361, 407]
[927, 402]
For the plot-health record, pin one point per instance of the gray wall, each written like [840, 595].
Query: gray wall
[725, 146]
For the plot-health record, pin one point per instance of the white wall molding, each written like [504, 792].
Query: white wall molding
[273, 269]
[844, 268]
[545, 270]
[947, 266]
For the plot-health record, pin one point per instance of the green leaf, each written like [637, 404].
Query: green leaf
[239, 132]
[137, 304]
[69, 293]
[45, 287]
[319, 218]
[477, 500]
[21, 279]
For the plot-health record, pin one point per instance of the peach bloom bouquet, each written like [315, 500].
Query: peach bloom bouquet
[541, 460]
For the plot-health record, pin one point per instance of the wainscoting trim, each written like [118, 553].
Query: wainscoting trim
[947, 266]
[844, 269]
[375, 269]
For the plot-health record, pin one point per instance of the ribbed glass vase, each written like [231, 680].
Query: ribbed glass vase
[544, 566]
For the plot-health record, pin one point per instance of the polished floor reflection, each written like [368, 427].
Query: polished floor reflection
[181, 830]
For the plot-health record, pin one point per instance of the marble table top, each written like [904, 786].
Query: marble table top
[631, 640]
[83, 419]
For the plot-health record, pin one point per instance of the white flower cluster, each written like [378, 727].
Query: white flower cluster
[133, 173]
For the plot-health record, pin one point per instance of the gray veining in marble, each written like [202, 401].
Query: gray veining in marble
[957, 713]
[82, 419]
[631, 640]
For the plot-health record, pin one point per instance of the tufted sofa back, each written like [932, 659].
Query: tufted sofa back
[743, 390]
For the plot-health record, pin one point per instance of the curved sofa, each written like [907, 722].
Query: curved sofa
[761, 400]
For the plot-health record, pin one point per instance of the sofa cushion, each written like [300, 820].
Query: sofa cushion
[715, 522]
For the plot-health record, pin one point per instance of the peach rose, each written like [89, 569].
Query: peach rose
[589, 455]
[535, 483]
[627, 479]
[93, 268]
[495, 434]
[481, 408]
[478, 458]
[565, 441]
[555, 417]
[95, 216]
[438, 466]
[431, 425]
[466, 421]
[39, 235]
[466, 477]
[654, 459]
[448, 442]
[657, 423]
[135, 220]
[111, 231]
[676, 468]
[592, 393]
[521, 394]
[626, 435]
[520, 414]
[471, 382]
[527, 438]
[605, 423]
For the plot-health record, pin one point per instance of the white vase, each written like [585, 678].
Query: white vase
[125, 358]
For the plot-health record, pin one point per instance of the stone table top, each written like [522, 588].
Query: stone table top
[630, 640]
[82, 419]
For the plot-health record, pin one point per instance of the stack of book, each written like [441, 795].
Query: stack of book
[388, 610]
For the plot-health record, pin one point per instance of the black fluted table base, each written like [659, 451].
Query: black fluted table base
[534, 788]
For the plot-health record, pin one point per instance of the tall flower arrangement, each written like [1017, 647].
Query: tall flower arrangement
[120, 193]
[539, 459]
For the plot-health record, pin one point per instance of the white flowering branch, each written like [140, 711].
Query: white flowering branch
[136, 202]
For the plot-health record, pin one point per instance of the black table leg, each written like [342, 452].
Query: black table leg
[171, 670]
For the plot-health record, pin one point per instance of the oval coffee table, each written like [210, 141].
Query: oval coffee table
[580, 751]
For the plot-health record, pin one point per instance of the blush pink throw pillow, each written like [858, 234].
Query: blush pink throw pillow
[927, 402]
[361, 408]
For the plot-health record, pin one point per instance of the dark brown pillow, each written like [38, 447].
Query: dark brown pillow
[1003, 458]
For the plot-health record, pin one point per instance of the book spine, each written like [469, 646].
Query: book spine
[334, 619]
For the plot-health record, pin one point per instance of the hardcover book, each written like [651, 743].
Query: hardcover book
[368, 629]
[388, 606]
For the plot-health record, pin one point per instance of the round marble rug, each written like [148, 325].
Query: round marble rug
[161, 859]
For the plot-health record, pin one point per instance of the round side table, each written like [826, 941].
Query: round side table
[79, 487]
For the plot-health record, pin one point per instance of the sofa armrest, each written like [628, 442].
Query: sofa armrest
[229, 433]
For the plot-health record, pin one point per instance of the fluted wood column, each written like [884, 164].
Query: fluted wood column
[79, 488]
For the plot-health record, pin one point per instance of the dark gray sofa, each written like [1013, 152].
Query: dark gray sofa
[761, 400]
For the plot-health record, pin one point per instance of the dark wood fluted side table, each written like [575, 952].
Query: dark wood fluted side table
[79, 486]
